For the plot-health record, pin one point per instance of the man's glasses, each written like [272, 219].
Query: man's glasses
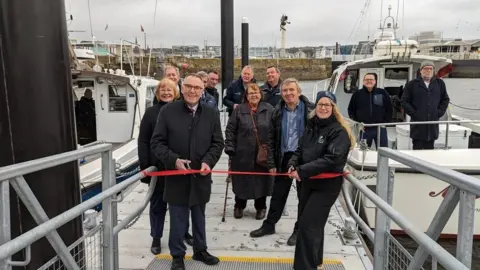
[189, 87]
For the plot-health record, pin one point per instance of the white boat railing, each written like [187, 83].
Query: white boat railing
[360, 126]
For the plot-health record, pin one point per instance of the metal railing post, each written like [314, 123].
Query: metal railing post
[378, 136]
[4, 220]
[114, 217]
[446, 135]
[466, 220]
[382, 222]
[107, 213]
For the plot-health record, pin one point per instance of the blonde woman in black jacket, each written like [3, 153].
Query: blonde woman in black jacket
[323, 148]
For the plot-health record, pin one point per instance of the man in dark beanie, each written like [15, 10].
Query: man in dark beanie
[425, 99]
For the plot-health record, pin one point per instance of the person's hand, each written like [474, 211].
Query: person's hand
[180, 164]
[205, 167]
[235, 106]
[273, 170]
[291, 169]
[294, 175]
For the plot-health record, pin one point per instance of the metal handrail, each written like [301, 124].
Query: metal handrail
[463, 181]
[123, 224]
[26, 239]
[443, 256]
[417, 123]
[27, 167]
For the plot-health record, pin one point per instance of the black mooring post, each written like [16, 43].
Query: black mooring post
[37, 114]
[244, 41]
[227, 42]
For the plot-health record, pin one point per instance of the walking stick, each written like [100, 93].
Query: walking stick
[228, 180]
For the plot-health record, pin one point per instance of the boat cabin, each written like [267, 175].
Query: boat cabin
[105, 107]
[393, 72]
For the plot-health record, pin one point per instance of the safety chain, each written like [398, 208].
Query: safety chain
[335, 225]
[133, 221]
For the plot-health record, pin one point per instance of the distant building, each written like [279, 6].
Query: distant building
[187, 51]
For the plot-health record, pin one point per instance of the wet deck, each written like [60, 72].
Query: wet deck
[230, 238]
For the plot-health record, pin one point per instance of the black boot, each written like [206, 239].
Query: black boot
[238, 213]
[205, 257]
[261, 232]
[292, 240]
[155, 248]
[178, 264]
[260, 214]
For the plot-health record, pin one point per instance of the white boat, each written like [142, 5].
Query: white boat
[119, 104]
[417, 196]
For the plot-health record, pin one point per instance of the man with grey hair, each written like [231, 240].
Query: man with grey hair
[425, 98]
[287, 126]
[236, 89]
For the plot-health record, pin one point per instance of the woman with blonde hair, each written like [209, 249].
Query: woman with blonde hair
[323, 148]
[165, 93]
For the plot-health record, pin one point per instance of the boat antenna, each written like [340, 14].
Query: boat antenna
[381, 13]
[150, 49]
[403, 15]
[91, 32]
[398, 9]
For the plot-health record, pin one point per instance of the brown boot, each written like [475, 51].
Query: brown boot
[260, 214]
[238, 213]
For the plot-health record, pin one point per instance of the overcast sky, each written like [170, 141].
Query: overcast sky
[313, 22]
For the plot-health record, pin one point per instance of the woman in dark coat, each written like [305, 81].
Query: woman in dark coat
[323, 148]
[166, 92]
[247, 121]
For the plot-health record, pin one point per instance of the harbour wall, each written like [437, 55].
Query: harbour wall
[301, 69]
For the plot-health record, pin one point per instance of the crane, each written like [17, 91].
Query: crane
[358, 23]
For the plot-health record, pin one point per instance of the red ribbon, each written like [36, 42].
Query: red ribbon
[185, 172]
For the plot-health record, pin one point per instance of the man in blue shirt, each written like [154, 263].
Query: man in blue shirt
[287, 126]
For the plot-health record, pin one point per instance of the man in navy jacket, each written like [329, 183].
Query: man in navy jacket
[371, 105]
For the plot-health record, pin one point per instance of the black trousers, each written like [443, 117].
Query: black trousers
[179, 216]
[281, 189]
[314, 209]
[260, 203]
[158, 210]
[420, 144]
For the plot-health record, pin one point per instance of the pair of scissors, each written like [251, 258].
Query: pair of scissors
[188, 167]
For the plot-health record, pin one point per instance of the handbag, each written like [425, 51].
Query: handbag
[261, 158]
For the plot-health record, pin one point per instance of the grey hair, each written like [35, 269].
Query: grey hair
[292, 80]
[172, 67]
[248, 67]
[202, 74]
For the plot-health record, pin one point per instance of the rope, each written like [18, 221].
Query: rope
[185, 172]
[465, 108]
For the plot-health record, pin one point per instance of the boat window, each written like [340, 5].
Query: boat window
[332, 82]
[351, 81]
[117, 98]
[149, 97]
